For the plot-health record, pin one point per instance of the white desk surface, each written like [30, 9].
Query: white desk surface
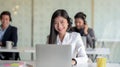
[95, 65]
[28, 50]
[98, 51]
[32, 64]
[108, 40]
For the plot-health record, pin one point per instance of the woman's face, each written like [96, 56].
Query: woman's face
[79, 23]
[5, 20]
[60, 24]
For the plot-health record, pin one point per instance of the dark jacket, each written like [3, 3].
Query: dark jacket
[90, 37]
[10, 35]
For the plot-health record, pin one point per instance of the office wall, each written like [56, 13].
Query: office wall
[107, 16]
[106, 26]
[43, 10]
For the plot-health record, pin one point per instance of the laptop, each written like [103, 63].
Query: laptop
[53, 55]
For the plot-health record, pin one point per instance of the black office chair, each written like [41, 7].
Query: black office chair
[16, 56]
[9, 56]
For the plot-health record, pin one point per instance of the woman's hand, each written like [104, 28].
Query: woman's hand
[74, 62]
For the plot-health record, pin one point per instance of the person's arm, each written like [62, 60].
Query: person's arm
[89, 33]
[81, 56]
[91, 38]
[14, 37]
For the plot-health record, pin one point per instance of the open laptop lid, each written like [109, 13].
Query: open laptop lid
[53, 55]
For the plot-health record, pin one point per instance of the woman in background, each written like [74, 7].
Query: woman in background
[7, 33]
[82, 28]
[60, 25]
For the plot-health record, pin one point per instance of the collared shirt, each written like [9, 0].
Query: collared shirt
[2, 32]
[78, 50]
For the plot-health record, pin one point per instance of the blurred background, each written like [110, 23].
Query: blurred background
[32, 18]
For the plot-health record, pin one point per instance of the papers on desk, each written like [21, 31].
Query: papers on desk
[9, 63]
[14, 64]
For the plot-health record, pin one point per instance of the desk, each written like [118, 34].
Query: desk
[102, 41]
[95, 65]
[98, 51]
[22, 50]
[32, 64]
[27, 50]
[103, 51]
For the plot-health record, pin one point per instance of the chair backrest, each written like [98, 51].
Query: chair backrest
[84, 41]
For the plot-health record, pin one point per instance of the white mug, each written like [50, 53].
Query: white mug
[9, 44]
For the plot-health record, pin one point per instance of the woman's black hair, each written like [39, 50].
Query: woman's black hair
[53, 32]
[81, 15]
[6, 13]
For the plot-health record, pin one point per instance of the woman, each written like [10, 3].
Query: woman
[7, 33]
[82, 28]
[60, 25]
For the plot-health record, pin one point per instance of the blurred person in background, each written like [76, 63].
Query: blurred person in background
[82, 28]
[7, 33]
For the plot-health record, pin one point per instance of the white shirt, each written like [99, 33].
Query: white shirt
[2, 32]
[78, 50]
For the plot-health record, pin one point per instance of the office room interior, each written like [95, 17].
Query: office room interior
[33, 17]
